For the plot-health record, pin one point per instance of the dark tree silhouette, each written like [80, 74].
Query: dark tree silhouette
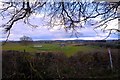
[73, 15]
[25, 40]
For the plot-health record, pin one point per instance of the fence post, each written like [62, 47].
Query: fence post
[24, 51]
[110, 58]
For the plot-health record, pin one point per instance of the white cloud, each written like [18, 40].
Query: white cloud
[42, 33]
[113, 24]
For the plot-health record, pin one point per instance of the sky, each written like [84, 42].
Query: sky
[44, 33]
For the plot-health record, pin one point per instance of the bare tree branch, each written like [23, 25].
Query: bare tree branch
[73, 15]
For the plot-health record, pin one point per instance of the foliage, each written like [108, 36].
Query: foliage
[24, 66]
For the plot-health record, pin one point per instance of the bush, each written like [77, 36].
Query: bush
[53, 65]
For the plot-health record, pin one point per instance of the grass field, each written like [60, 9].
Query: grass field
[85, 61]
[67, 50]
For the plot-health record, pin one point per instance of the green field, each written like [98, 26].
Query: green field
[67, 50]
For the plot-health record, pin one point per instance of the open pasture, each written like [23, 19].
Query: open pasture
[68, 50]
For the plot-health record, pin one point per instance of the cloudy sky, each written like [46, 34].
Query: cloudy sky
[44, 33]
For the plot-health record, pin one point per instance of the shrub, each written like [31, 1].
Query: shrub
[54, 65]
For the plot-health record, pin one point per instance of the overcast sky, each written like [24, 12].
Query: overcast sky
[44, 33]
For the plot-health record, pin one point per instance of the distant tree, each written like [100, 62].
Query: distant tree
[25, 40]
